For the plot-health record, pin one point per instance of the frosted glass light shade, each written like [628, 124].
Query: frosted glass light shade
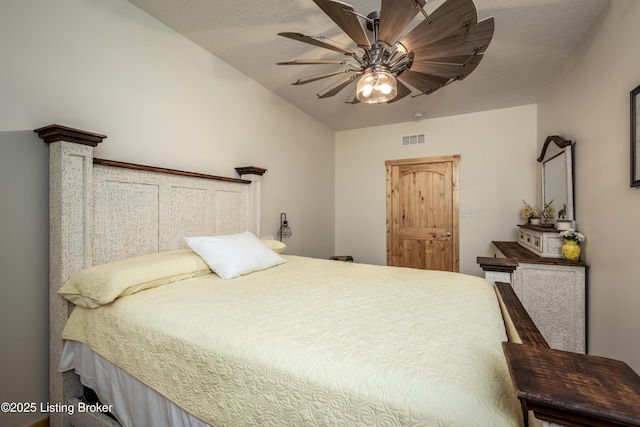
[376, 87]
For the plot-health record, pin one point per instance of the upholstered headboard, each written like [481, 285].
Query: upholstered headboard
[102, 211]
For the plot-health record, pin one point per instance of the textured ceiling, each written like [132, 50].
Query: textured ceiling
[532, 40]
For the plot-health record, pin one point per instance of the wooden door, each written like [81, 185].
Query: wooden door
[423, 213]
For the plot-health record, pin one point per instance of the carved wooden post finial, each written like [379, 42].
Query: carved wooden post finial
[53, 133]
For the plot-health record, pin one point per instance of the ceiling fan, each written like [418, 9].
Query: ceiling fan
[444, 47]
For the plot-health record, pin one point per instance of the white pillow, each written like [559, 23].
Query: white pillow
[233, 255]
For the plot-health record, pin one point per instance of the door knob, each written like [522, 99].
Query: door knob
[447, 234]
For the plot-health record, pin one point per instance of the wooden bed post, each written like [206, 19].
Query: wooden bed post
[518, 324]
[497, 269]
[520, 328]
[70, 177]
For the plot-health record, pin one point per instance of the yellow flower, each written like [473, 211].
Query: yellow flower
[528, 211]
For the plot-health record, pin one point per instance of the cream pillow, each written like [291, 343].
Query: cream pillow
[233, 255]
[101, 284]
[275, 245]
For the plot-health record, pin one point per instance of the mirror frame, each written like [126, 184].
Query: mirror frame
[554, 146]
[635, 137]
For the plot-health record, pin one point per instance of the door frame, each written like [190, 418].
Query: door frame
[455, 189]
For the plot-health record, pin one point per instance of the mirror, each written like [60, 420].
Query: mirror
[556, 159]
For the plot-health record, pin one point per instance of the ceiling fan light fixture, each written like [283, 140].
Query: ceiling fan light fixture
[397, 56]
[377, 86]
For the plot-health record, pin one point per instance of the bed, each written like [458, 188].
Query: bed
[302, 342]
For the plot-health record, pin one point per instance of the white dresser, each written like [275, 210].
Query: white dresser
[554, 293]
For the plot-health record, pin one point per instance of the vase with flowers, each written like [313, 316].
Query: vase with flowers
[528, 212]
[572, 242]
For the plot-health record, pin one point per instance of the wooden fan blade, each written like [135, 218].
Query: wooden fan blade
[395, 15]
[334, 89]
[446, 20]
[316, 41]
[352, 98]
[318, 77]
[343, 15]
[476, 41]
[425, 83]
[456, 68]
[402, 92]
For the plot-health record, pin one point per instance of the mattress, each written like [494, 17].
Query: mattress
[132, 402]
[314, 342]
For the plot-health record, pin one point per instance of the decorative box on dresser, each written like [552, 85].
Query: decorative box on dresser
[553, 291]
[543, 241]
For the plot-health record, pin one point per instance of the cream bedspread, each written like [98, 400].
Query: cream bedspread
[315, 343]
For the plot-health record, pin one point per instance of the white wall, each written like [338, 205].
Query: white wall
[24, 251]
[110, 68]
[589, 103]
[107, 67]
[497, 171]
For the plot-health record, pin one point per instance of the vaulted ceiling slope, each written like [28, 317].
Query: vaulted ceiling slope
[531, 42]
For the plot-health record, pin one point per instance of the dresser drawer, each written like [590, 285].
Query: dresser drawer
[530, 240]
[547, 243]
